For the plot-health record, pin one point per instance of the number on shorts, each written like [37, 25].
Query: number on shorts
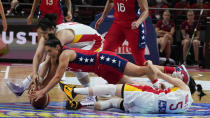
[120, 7]
[49, 2]
[177, 105]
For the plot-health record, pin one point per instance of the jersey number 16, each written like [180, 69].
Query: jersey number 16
[120, 7]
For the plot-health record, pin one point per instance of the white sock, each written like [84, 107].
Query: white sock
[26, 82]
[83, 91]
[112, 103]
[98, 90]
[104, 90]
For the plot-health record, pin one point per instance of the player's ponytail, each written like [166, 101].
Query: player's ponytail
[196, 87]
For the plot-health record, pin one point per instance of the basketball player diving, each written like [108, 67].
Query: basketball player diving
[112, 68]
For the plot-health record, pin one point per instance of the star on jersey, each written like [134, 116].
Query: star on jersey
[80, 59]
[143, 37]
[102, 57]
[91, 60]
[107, 59]
[113, 61]
[85, 59]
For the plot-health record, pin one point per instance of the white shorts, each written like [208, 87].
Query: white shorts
[145, 99]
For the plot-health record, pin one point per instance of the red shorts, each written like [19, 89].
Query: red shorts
[110, 66]
[119, 32]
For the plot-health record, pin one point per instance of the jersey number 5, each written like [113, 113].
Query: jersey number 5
[120, 7]
[177, 105]
[49, 2]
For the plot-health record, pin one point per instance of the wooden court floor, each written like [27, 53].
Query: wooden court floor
[19, 72]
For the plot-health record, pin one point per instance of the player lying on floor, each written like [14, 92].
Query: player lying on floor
[105, 64]
[141, 98]
[91, 62]
[148, 100]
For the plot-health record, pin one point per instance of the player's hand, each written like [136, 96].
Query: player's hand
[35, 79]
[98, 22]
[69, 16]
[134, 25]
[147, 63]
[4, 23]
[36, 95]
[29, 19]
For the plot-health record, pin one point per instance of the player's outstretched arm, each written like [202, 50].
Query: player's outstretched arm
[143, 4]
[33, 9]
[37, 58]
[109, 5]
[175, 81]
[69, 13]
[4, 21]
[64, 59]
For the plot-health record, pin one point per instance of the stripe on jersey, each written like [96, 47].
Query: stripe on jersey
[145, 88]
[83, 59]
[86, 37]
[113, 61]
[77, 38]
[61, 7]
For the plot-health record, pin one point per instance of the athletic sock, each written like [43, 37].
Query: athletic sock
[169, 70]
[112, 103]
[26, 82]
[83, 91]
[109, 89]
[98, 90]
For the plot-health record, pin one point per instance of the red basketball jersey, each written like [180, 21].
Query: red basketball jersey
[125, 10]
[50, 6]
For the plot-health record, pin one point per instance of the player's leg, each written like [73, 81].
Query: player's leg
[111, 103]
[19, 88]
[137, 43]
[114, 38]
[185, 44]
[196, 44]
[138, 71]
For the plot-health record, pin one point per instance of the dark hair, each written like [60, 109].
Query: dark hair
[193, 87]
[53, 41]
[49, 21]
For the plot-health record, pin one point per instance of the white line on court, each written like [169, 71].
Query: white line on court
[7, 72]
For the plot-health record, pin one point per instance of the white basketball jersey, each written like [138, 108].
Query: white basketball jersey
[85, 36]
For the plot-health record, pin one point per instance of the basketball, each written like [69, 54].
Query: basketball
[3, 48]
[41, 103]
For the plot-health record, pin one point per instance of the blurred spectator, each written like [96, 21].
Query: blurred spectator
[165, 30]
[201, 4]
[4, 21]
[180, 14]
[14, 3]
[187, 29]
[156, 13]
